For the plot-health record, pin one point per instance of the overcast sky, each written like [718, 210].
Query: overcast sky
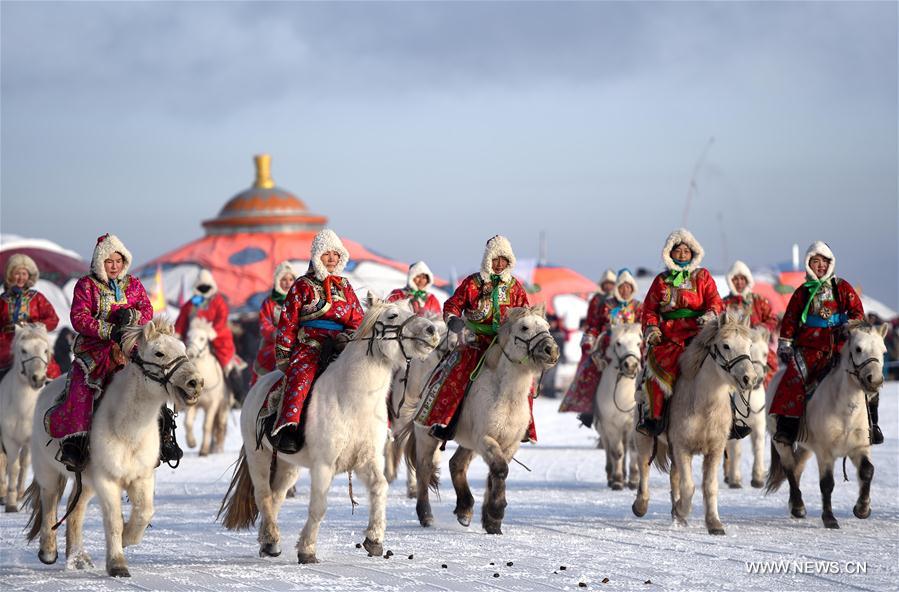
[422, 129]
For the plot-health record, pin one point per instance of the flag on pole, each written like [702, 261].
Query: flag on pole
[158, 299]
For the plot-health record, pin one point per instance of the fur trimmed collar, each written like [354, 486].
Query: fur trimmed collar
[498, 246]
[682, 235]
[106, 246]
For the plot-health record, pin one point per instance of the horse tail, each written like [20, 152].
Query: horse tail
[33, 497]
[408, 434]
[776, 473]
[239, 504]
[661, 460]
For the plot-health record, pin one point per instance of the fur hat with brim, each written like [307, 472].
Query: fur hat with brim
[740, 268]
[820, 248]
[20, 260]
[106, 246]
[327, 240]
[205, 278]
[685, 237]
[607, 276]
[284, 268]
[498, 246]
[416, 269]
[625, 277]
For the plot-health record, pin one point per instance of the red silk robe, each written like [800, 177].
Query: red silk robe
[299, 345]
[697, 293]
[429, 304]
[814, 347]
[760, 315]
[215, 311]
[33, 308]
[269, 315]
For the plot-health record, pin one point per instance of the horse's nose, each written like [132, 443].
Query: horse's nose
[34, 378]
[192, 383]
[746, 380]
[431, 330]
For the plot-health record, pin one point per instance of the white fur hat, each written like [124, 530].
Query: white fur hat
[205, 277]
[498, 246]
[327, 240]
[284, 268]
[607, 276]
[416, 269]
[625, 277]
[106, 246]
[740, 268]
[21, 260]
[682, 235]
[820, 248]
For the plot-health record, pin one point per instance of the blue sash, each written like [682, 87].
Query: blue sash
[820, 322]
[322, 324]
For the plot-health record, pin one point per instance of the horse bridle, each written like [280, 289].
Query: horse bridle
[383, 332]
[46, 362]
[728, 365]
[531, 349]
[857, 368]
[164, 373]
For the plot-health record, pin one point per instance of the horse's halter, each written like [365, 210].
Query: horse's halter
[381, 331]
[857, 368]
[45, 361]
[728, 365]
[164, 373]
[619, 361]
[544, 335]
[207, 347]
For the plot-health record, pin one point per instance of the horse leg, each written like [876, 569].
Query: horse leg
[615, 453]
[3, 479]
[12, 478]
[49, 501]
[220, 427]
[411, 479]
[862, 508]
[633, 472]
[391, 458]
[710, 465]
[682, 484]
[458, 465]
[732, 475]
[790, 461]
[259, 463]
[24, 463]
[111, 503]
[825, 469]
[425, 472]
[140, 492]
[493, 509]
[282, 482]
[76, 556]
[373, 475]
[189, 417]
[644, 451]
[758, 454]
[321, 476]
[208, 422]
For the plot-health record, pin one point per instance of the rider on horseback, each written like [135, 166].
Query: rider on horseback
[811, 336]
[20, 303]
[207, 303]
[269, 315]
[480, 304]
[320, 312]
[680, 300]
[619, 308]
[419, 280]
[104, 303]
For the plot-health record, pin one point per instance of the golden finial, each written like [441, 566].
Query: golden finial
[263, 171]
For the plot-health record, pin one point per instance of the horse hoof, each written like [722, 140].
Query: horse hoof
[48, 558]
[632, 486]
[306, 558]
[12, 509]
[798, 512]
[269, 550]
[411, 494]
[426, 521]
[292, 492]
[639, 508]
[616, 486]
[201, 453]
[716, 530]
[735, 485]
[119, 571]
[758, 483]
[464, 519]
[830, 522]
[861, 512]
[493, 529]
[374, 548]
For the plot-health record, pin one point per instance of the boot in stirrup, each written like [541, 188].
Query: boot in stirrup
[169, 451]
[876, 434]
[649, 426]
[73, 452]
[787, 430]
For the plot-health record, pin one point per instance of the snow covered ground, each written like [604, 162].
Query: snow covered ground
[563, 528]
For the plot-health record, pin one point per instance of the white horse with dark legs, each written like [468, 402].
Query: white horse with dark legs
[835, 424]
[18, 395]
[124, 449]
[716, 362]
[615, 402]
[404, 400]
[751, 411]
[493, 419]
[345, 431]
[216, 398]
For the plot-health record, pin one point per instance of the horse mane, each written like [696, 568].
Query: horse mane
[624, 328]
[158, 326]
[370, 318]
[29, 331]
[726, 325]
[203, 325]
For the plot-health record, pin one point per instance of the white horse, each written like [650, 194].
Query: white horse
[216, 398]
[493, 419]
[835, 424]
[124, 449]
[18, 395]
[715, 363]
[403, 401]
[615, 401]
[345, 430]
[751, 411]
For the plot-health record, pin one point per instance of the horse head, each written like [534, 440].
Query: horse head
[162, 360]
[31, 351]
[199, 335]
[759, 354]
[524, 337]
[395, 332]
[728, 341]
[625, 349]
[863, 354]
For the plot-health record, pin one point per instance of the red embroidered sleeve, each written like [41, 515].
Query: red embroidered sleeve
[652, 304]
[44, 312]
[790, 324]
[82, 312]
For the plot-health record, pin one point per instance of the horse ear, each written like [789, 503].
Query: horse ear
[540, 309]
[373, 299]
[883, 330]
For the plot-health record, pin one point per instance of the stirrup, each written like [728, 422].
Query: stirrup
[739, 430]
[787, 430]
[876, 434]
[73, 453]
[169, 451]
[287, 441]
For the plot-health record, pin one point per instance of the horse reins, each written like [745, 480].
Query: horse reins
[166, 371]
